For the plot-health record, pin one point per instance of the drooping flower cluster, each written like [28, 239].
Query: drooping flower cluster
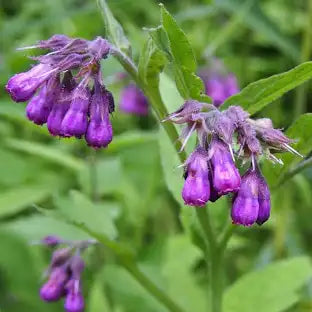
[64, 274]
[219, 84]
[65, 89]
[210, 171]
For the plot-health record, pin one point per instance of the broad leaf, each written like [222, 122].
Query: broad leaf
[114, 31]
[259, 94]
[272, 289]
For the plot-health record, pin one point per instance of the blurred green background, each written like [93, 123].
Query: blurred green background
[124, 186]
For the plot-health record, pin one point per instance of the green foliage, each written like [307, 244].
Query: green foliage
[114, 31]
[258, 94]
[272, 289]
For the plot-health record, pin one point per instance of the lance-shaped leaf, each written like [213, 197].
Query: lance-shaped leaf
[113, 30]
[259, 94]
[182, 57]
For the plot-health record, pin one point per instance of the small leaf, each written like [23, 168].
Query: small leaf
[151, 64]
[114, 31]
[46, 152]
[36, 227]
[259, 94]
[272, 289]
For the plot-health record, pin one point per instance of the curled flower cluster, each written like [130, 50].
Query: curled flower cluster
[210, 171]
[65, 89]
[219, 84]
[64, 274]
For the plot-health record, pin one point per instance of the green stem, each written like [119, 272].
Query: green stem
[133, 269]
[215, 255]
[300, 101]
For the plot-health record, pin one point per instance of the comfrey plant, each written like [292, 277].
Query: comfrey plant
[65, 89]
[210, 171]
[72, 99]
[64, 273]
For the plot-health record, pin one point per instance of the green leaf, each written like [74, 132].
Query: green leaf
[272, 289]
[98, 301]
[113, 30]
[17, 199]
[36, 227]
[79, 210]
[180, 259]
[151, 64]
[46, 152]
[183, 58]
[259, 94]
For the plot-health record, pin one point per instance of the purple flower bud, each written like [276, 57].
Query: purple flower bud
[100, 132]
[99, 48]
[226, 177]
[215, 88]
[74, 301]
[51, 240]
[53, 289]
[245, 207]
[75, 122]
[23, 86]
[61, 105]
[196, 189]
[133, 101]
[39, 107]
[264, 200]
[231, 85]
[56, 42]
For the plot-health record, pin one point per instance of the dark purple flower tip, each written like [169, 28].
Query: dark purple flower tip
[133, 101]
[51, 291]
[54, 289]
[39, 107]
[196, 189]
[245, 207]
[75, 122]
[100, 132]
[23, 86]
[99, 48]
[74, 301]
[226, 177]
[56, 42]
[51, 240]
[264, 200]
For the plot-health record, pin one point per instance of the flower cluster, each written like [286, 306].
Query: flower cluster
[65, 89]
[219, 84]
[210, 171]
[64, 274]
